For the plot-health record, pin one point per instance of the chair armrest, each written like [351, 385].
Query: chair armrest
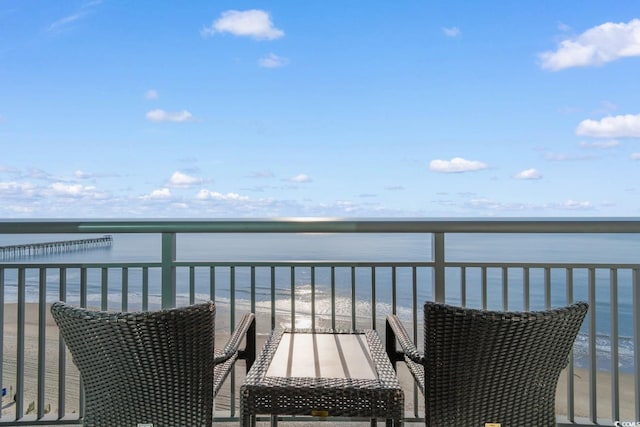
[396, 332]
[245, 328]
[225, 358]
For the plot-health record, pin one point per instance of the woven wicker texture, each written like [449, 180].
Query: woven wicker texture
[336, 397]
[145, 367]
[484, 366]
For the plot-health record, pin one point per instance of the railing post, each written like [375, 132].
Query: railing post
[636, 337]
[438, 267]
[168, 290]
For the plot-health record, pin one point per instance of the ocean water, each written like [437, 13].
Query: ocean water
[537, 248]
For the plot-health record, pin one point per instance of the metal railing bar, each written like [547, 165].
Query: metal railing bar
[414, 321]
[306, 225]
[90, 265]
[636, 338]
[20, 352]
[83, 287]
[105, 289]
[505, 289]
[439, 266]
[324, 263]
[168, 280]
[463, 286]
[42, 323]
[414, 303]
[526, 289]
[547, 288]
[373, 298]
[292, 283]
[570, 366]
[62, 354]
[313, 297]
[2, 330]
[539, 265]
[273, 297]
[593, 404]
[353, 297]
[253, 289]
[212, 283]
[483, 287]
[615, 374]
[125, 289]
[192, 284]
[333, 297]
[394, 290]
[145, 288]
[308, 263]
[232, 297]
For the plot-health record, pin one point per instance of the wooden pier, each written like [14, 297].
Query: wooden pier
[48, 248]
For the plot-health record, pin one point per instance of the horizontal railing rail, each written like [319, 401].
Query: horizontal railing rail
[292, 292]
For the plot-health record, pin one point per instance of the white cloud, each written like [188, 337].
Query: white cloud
[75, 190]
[528, 174]
[301, 178]
[16, 188]
[214, 195]
[64, 21]
[575, 205]
[561, 157]
[596, 46]
[609, 143]
[262, 174]
[451, 32]
[165, 116]
[82, 175]
[626, 126]
[151, 94]
[272, 61]
[635, 156]
[70, 189]
[249, 23]
[456, 165]
[161, 194]
[67, 20]
[179, 179]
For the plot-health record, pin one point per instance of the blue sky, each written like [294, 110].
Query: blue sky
[141, 109]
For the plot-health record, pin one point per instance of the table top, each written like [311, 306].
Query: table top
[323, 355]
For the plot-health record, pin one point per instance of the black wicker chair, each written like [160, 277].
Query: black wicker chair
[155, 368]
[481, 367]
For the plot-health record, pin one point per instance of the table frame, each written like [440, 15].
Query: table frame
[335, 397]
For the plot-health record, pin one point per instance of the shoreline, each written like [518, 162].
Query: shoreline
[224, 399]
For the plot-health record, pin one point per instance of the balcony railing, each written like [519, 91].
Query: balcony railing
[326, 273]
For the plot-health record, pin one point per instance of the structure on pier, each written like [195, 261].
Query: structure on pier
[47, 248]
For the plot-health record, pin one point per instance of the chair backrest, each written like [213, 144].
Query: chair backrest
[495, 367]
[151, 367]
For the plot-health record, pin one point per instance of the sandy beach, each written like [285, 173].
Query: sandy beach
[225, 399]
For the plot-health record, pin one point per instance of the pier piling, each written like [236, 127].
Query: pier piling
[47, 248]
